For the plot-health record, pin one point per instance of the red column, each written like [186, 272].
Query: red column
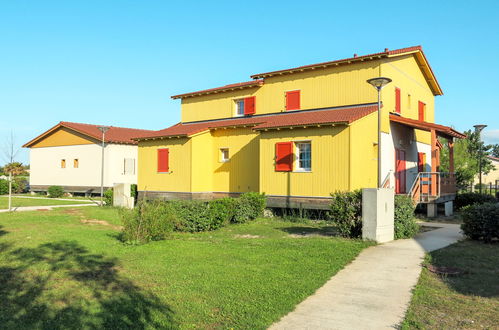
[434, 162]
[450, 143]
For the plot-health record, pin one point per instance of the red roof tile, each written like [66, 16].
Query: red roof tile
[246, 84]
[120, 135]
[442, 130]
[284, 119]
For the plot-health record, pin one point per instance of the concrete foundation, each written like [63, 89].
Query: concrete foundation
[431, 210]
[449, 208]
[378, 214]
[122, 196]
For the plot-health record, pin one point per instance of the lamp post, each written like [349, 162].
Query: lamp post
[103, 129]
[379, 83]
[478, 129]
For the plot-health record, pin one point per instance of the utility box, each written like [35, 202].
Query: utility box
[378, 206]
[122, 196]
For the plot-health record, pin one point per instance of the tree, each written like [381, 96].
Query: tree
[10, 150]
[495, 150]
[467, 158]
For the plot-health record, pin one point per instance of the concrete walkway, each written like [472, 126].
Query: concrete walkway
[39, 208]
[374, 291]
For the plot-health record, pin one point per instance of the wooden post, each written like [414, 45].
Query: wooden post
[433, 162]
[450, 143]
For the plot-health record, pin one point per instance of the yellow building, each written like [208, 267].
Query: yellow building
[299, 134]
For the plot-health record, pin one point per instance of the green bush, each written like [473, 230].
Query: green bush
[193, 215]
[133, 191]
[108, 197]
[4, 187]
[466, 199]
[149, 221]
[249, 206]
[481, 221]
[55, 191]
[346, 213]
[405, 224]
[19, 185]
[221, 212]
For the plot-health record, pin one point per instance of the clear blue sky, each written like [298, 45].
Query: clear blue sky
[118, 62]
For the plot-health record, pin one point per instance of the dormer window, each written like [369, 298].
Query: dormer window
[245, 107]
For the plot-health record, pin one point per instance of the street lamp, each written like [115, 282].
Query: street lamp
[478, 129]
[103, 129]
[379, 83]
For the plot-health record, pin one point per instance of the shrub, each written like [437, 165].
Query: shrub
[108, 197]
[193, 216]
[466, 199]
[55, 191]
[221, 212]
[346, 213]
[481, 221]
[133, 191]
[249, 206]
[4, 187]
[20, 185]
[149, 221]
[405, 224]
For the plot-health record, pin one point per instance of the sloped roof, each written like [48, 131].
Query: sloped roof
[444, 131]
[119, 135]
[345, 115]
[231, 87]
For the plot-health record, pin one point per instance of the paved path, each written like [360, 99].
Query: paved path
[52, 199]
[374, 291]
[37, 208]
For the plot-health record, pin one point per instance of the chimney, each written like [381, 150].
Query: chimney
[386, 50]
[354, 55]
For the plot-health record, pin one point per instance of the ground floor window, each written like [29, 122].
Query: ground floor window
[129, 166]
[304, 156]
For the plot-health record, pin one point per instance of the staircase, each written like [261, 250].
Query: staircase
[430, 186]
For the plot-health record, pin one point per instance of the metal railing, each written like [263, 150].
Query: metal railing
[429, 186]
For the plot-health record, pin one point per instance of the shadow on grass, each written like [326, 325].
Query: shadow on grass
[61, 285]
[311, 231]
[479, 262]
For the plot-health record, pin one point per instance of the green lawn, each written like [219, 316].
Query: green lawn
[59, 273]
[17, 202]
[468, 301]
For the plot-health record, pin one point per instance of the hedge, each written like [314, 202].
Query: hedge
[481, 221]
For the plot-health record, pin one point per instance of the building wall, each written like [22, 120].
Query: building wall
[179, 177]
[364, 152]
[241, 172]
[202, 163]
[330, 162]
[492, 176]
[336, 86]
[63, 137]
[45, 165]
[407, 76]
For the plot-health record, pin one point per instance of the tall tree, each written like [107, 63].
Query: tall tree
[467, 155]
[10, 149]
[495, 150]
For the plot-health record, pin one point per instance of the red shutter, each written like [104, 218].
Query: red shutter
[249, 105]
[293, 100]
[163, 155]
[284, 156]
[397, 100]
[421, 108]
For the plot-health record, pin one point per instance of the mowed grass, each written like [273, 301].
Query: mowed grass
[18, 202]
[467, 301]
[59, 273]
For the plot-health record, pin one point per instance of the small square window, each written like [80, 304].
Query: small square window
[304, 156]
[224, 155]
[76, 163]
[240, 107]
[63, 163]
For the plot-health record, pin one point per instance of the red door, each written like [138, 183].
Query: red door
[400, 171]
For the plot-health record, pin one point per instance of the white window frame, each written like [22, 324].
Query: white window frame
[297, 167]
[236, 105]
[223, 159]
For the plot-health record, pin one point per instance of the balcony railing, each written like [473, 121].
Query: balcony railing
[429, 186]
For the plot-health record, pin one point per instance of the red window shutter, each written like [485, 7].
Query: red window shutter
[421, 108]
[284, 156]
[163, 155]
[293, 100]
[397, 100]
[249, 105]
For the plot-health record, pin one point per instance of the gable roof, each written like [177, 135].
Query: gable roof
[416, 50]
[231, 87]
[334, 115]
[118, 135]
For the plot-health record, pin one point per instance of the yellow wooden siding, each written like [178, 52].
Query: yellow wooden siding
[406, 75]
[330, 162]
[179, 177]
[336, 86]
[241, 172]
[63, 137]
[363, 152]
[202, 162]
